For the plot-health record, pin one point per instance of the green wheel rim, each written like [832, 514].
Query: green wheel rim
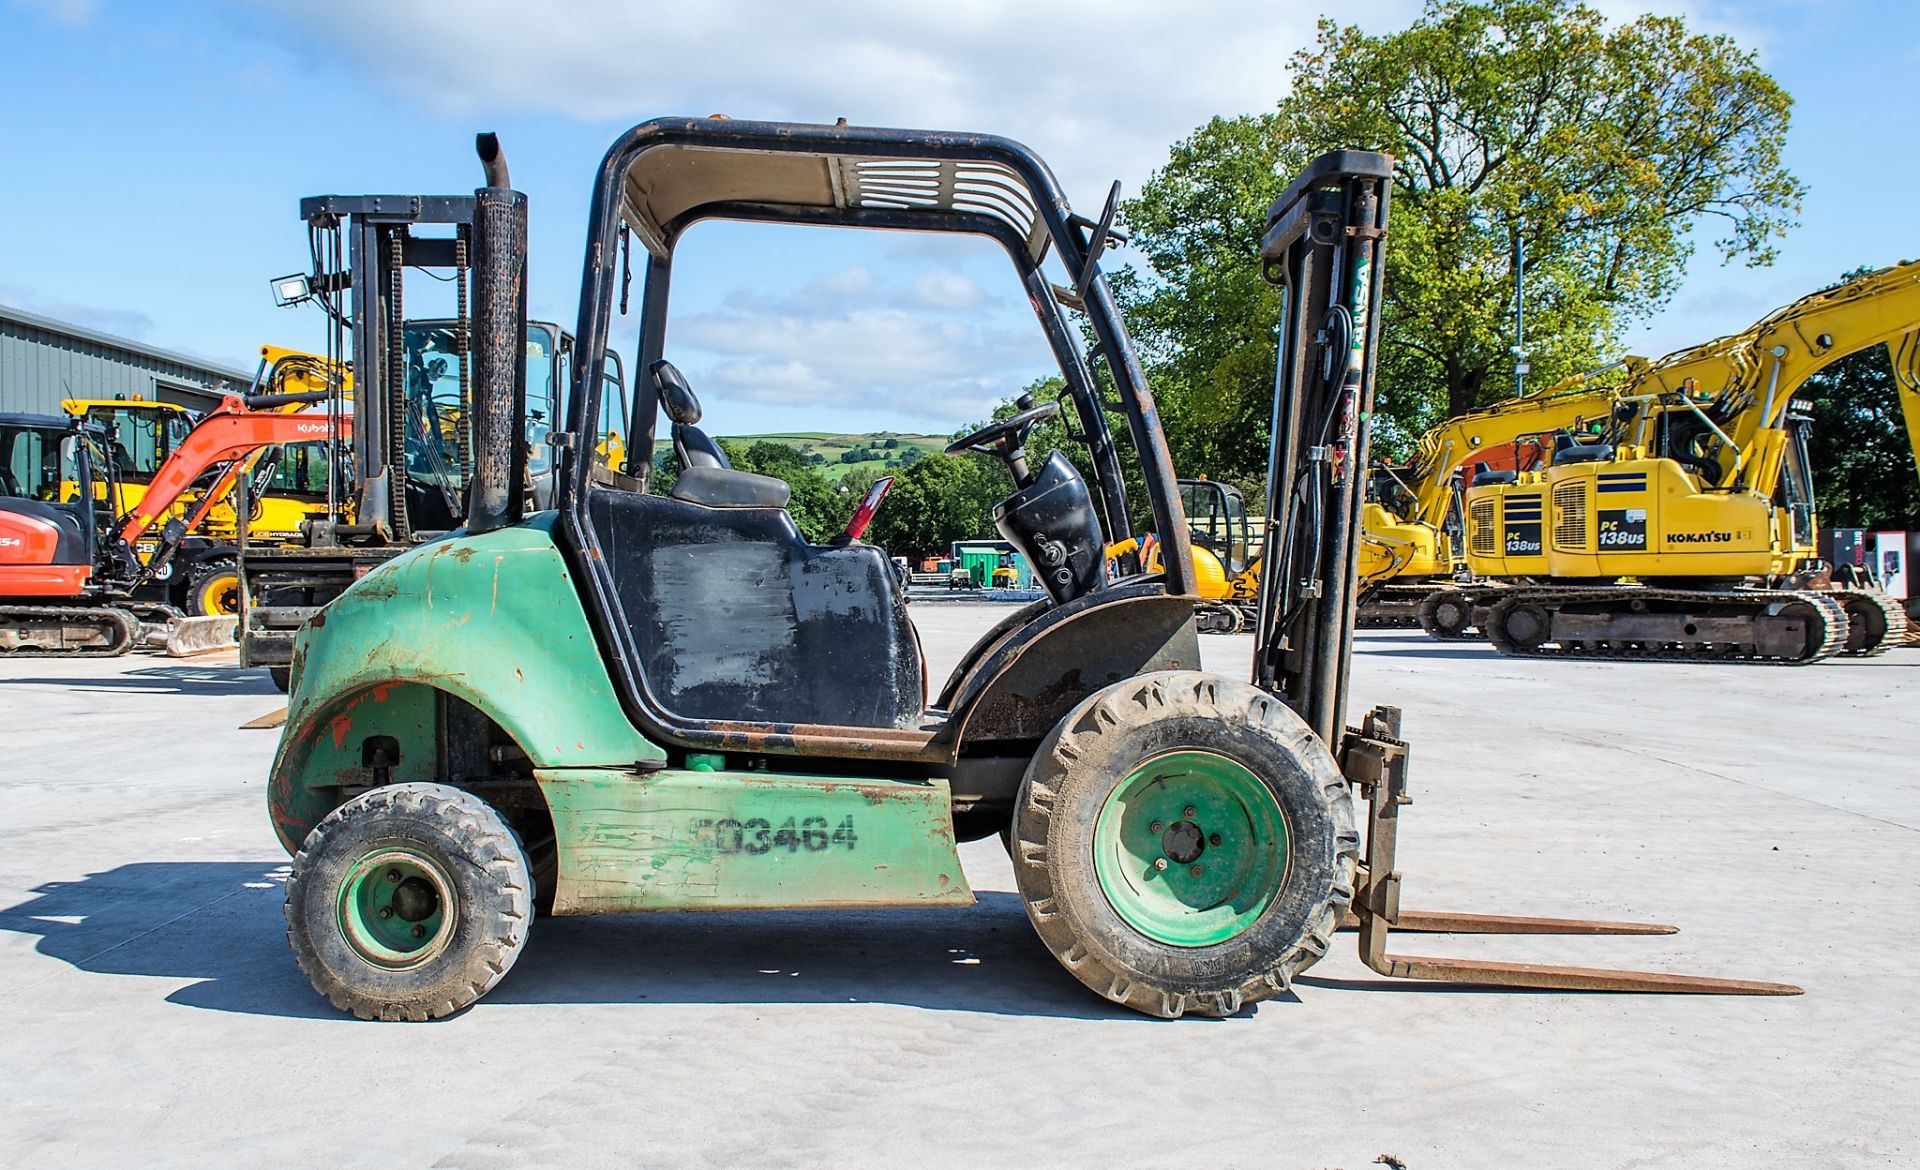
[1190, 849]
[397, 908]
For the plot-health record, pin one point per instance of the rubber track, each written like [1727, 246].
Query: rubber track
[1393, 607]
[1833, 640]
[1897, 623]
[117, 621]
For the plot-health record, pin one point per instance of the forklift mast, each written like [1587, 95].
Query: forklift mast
[381, 245]
[1322, 246]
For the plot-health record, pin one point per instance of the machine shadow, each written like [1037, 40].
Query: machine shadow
[220, 923]
[205, 681]
[983, 958]
[1477, 652]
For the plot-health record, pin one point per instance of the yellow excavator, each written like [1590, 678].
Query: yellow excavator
[1226, 561]
[1686, 531]
[137, 434]
[1410, 552]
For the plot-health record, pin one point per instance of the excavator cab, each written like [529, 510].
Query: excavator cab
[49, 522]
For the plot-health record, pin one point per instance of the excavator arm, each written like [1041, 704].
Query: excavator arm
[1749, 378]
[1905, 352]
[223, 441]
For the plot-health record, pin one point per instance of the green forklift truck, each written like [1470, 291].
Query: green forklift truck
[637, 701]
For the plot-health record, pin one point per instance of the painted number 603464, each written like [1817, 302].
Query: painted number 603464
[757, 836]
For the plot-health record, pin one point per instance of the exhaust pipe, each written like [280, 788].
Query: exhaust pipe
[499, 344]
[492, 161]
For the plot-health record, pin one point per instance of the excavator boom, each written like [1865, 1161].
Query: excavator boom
[228, 435]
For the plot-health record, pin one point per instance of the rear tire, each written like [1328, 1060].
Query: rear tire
[282, 677]
[1216, 910]
[409, 902]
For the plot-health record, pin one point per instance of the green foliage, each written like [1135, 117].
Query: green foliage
[1863, 470]
[1600, 147]
[936, 501]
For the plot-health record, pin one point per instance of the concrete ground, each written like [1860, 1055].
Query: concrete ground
[151, 1015]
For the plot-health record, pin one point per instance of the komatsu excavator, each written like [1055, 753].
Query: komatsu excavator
[1699, 495]
[1410, 550]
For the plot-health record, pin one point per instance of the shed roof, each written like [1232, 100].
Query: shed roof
[54, 325]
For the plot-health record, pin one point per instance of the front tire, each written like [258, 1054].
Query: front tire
[409, 902]
[1184, 842]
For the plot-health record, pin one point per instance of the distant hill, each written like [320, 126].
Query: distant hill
[838, 455]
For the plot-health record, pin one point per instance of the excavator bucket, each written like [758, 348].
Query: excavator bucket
[197, 635]
[1374, 759]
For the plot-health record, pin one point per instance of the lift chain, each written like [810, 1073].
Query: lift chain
[394, 329]
[462, 345]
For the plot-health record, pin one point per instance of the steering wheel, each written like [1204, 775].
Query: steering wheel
[993, 437]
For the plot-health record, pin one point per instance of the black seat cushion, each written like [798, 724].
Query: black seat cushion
[734, 616]
[697, 449]
[723, 487]
[1482, 479]
[1584, 453]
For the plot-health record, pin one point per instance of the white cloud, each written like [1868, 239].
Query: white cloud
[943, 288]
[129, 323]
[900, 350]
[1099, 87]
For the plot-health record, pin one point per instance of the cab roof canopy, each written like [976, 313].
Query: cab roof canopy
[688, 169]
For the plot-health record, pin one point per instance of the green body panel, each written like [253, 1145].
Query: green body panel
[696, 840]
[493, 619]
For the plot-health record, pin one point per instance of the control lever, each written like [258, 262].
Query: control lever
[863, 515]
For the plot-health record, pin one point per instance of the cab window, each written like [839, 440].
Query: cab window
[139, 438]
[545, 375]
[300, 470]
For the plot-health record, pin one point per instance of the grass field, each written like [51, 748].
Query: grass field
[833, 450]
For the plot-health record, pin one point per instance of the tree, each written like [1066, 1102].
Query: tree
[938, 500]
[1863, 471]
[1598, 147]
[817, 505]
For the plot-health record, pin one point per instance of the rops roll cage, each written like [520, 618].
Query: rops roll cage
[665, 175]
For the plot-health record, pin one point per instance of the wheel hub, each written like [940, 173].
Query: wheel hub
[1190, 848]
[1183, 842]
[396, 908]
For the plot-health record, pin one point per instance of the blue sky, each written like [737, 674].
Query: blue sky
[155, 154]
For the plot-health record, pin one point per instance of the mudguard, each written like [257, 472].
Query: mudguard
[494, 620]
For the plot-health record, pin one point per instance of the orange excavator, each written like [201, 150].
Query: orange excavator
[69, 568]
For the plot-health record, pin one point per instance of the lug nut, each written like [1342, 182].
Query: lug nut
[1155, 827]
[421, 931]
[1191, 812]
[1214, 839]
[393, 875]
[386, 912]
[1159, 863]
[1195, 871]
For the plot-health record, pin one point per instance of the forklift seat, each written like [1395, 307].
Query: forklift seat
[707, 476]
[723, 487]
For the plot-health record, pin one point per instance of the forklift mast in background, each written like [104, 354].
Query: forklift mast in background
[380, 245]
